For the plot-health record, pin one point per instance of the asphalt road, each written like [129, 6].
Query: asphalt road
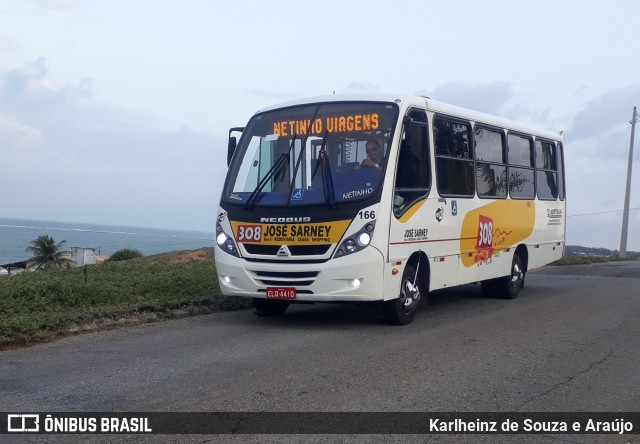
[570, 342]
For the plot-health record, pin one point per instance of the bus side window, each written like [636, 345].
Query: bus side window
[560, 171]
[491, 169]
[413, 178]
[546, 170]
[454, 157]
[521, 174]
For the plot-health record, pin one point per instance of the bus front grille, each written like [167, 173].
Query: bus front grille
[296, 250]
[285, 278]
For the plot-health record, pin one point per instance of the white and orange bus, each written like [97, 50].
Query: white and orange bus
[385, 198]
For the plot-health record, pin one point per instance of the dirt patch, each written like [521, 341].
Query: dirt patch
[180, 257]
[188, 256]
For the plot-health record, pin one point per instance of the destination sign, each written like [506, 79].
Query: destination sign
[338, 124]
[290, 234]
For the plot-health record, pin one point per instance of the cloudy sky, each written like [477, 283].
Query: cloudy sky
[116, 111]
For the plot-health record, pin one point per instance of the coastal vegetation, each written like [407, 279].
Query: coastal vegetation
[55, 301]
[125, 254]
[46, 253]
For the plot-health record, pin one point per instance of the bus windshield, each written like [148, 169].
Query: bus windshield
[316, 154]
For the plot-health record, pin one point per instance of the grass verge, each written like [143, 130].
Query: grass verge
[575, 259]
[36, 307]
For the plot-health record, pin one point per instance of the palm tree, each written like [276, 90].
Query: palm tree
[46, 253]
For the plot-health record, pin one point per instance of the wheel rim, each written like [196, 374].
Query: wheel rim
[409, 296]
[516, 274]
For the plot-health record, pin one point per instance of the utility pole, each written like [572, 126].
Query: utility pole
[625, 214]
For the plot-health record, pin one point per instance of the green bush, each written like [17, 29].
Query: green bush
[124, 255]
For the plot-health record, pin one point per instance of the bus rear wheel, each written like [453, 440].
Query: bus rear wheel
[508, 287]
[270, 307]
[401, 311]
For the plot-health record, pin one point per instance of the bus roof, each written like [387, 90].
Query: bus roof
[430, 104]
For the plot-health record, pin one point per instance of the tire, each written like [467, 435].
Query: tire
[509, 287]
[270, 307]
[401, 311]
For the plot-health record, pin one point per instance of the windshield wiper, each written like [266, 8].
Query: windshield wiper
[327, 180]
[277, 166]
[295, 171]
[299, 161]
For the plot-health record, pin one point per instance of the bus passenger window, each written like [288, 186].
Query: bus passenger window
[546, 167]
[521, 173]
[454, 157]
[560, 165]
[491, 169]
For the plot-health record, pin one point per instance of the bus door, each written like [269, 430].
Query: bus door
[410, 224]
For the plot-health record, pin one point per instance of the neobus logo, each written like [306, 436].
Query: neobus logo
[283, 220]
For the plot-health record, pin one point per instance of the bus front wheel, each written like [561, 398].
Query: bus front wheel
[400, 311]
[270, 307]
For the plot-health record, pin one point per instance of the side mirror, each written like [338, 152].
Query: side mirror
[233, 143]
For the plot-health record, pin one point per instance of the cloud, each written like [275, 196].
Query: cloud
[61, 5]
[361, 86]
[605, 112]
[269, 94]
[7, 45]
[67, 156]
[10, 130]
[32, 92]
[599, 132]
[596, 158]
[488, 97]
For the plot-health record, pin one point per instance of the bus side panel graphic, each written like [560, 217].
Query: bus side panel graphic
[494, 227]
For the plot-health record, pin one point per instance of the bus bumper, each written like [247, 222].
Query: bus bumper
[357, 277]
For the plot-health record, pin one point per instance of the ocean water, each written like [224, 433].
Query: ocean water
[15, 235]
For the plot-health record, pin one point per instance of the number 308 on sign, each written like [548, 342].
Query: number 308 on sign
[249, 233]
[485, 232]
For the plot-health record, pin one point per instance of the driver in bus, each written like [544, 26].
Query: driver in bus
[375, 155]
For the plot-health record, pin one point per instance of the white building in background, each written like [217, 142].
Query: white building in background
[81, 256]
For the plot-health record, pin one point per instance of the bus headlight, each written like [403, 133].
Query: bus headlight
[350, 245]
[221, 239]
[364, 239]
[225, 242]
[356, 242]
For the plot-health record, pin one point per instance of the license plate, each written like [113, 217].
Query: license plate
[281, 293]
